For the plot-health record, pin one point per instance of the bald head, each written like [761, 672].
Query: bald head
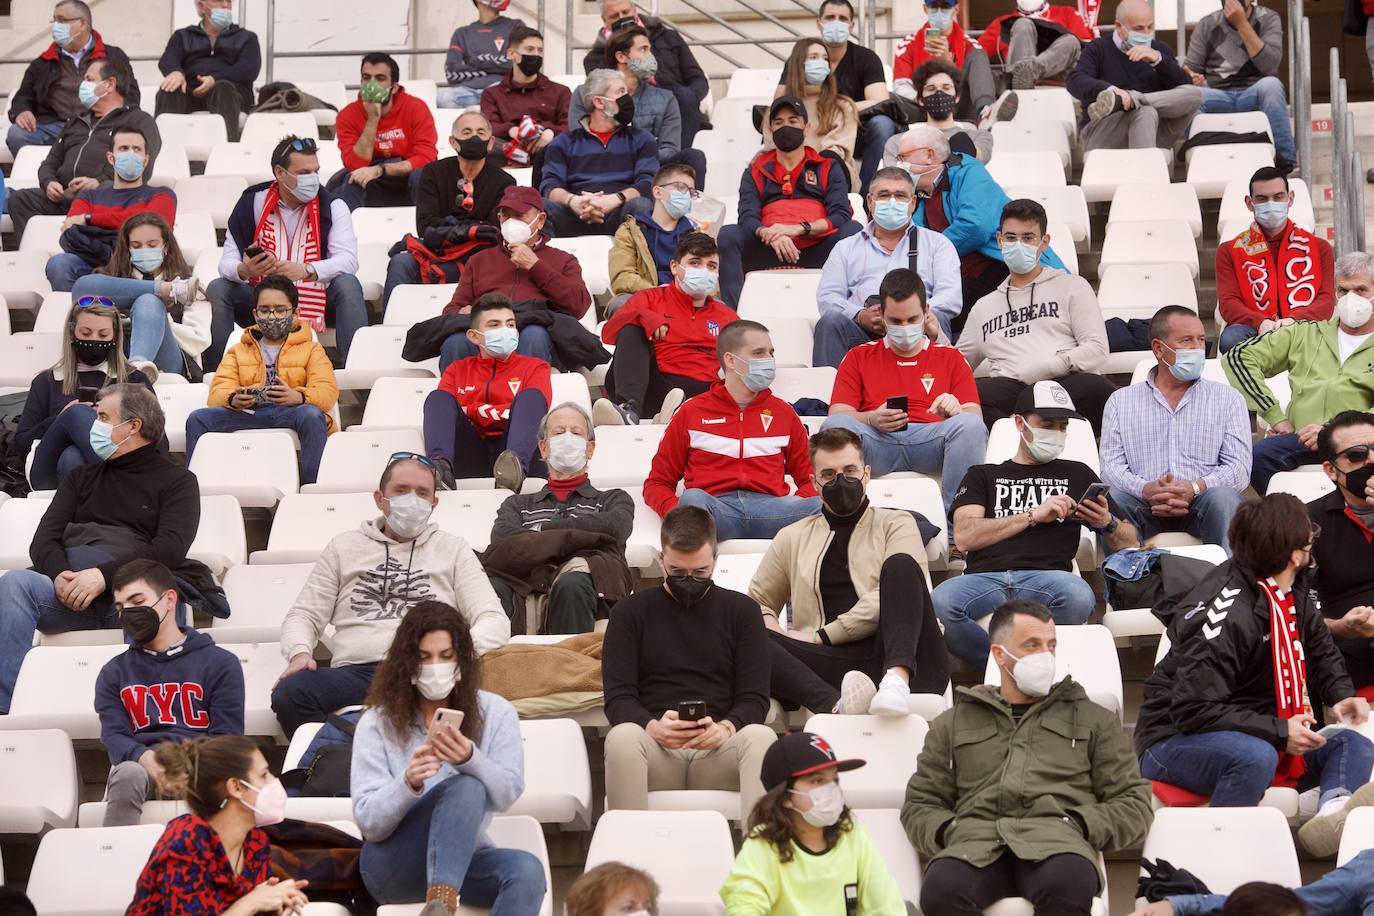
[1135, 16]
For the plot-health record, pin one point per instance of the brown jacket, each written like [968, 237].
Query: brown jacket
[631, 262]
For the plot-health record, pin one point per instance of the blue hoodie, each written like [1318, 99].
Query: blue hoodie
[144, 698]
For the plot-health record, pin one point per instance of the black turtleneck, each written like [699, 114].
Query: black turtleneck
[836, 584]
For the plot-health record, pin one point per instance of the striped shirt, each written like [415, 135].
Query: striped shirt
[1207, 436]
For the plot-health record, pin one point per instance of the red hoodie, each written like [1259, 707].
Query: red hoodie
[406, 131]
[689, 347]
[1067, 16]
[911, 51]
[485, 388]
[715, 445]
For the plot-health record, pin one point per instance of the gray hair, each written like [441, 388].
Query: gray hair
[923, 136]
[470, 114]
[82, 8]
[136, 402]
[596, 85]
[1355, 264]
[893, 173]
[542, 434]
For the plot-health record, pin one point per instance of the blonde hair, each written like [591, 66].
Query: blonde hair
[116, 366]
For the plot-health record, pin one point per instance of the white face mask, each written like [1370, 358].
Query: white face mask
[436, 682]
[827, 804]
[567, 453]
[516, 231]
[1353, 311]
[1045, 444]
[408, 515]
[1033, 674]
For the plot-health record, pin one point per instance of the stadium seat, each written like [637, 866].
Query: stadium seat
[623, 455]
[24, 172]
[889, 744]
[424, 90]
[4, 314]
[1357, 835]
[52, 314]
[383, 224]
[1305, 484]
[198, 133]
[792, 340]
[570, 386]
[1235, 122]
[1082, 446]
[1026, 136]
[1062, 244]
[107, 863]
[208, 194]
[920, 494]
[195, 233]
[396, 402]
[257, 470]
[735, 570]
[220, 541]
[729, 154]
[329, 91]
[753, 84]
[271, 126]
[735, 114]
[1128, 623]
[689, 854]
[1167, 241]
[769, 294]
[251, 161]
[19, 519]
[23, 281]
[375, 354]
[1042, 168]
[171, 168]
[1211, 168]
[412, 303]
[1065, 205]
[1233, 205]
[206, 267]
[815, 382]
[41, 234]
[259, 597]
[353, 461]
[304, 523]
[469, 514]
[1086, 653]
[1140, 290]
[1225, 847]
[177, 403]
[24, 355]
[1105, 170]
[1048, 104]
[558, 779]
[884, 828]
[592, 253]
[641, 551]
[372, 264]
[39, 781]
[1173, 202]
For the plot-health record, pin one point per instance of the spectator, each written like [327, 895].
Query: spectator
[1234, 56]
[1321, 386]
[1227, 713]
[60, 407]
[217, 859]
[478, 55]
[1053, 329]
[80, 157]
[135, 504]
[1133, 92]
[847, 296]
[601, 171]
[148, 279]
[172, 684]
[943, 39]
[793, 205]
[297, 231]
[940, 427]
[1275, 272]
[525, 270]
[210, 66]
[360, 588]
[939, 87]
[643, 249]
[47, 95]
[723, 448]
[386, 137]
[860, 609]
[1038, 41]
[455, 209]
[425, 788]
[1019, 524]
[665, 339]
[1339, 892]
[277, 377]
[963, 767]
[525, 92]
[689, 640]
[579, 592]
[832, 120]
[1176, 446]
[678, 69]
[482, 419]
[612, 889]
[96, 214]
[803, 806]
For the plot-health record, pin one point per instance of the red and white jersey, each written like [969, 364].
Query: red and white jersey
[486, 387]
[871, 373]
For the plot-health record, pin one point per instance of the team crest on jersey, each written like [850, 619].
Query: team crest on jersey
[927, 382]
[713, 328]
[767, 417]
[499, 42]
[514, 385]
[811, 177]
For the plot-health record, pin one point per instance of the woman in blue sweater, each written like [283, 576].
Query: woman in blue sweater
[424, 789]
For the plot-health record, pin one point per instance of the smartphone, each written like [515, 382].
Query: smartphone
[252, 251]
[444, 716]
[86, 395]
[258, 393]
[1332, 729]
[691, 710]
[1094, 491]
[898, 403]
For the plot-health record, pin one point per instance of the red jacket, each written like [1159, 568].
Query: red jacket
[406, 132]
[1067, 16]
[689, 347]
[1297, 268]
[911, 51]
[485, 388]
[545, 101]
[713, 444]
[556, 278]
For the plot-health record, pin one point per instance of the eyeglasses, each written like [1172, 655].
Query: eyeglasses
[466, 187]
[1356, 454]
[279, 312]
[1316, 531]
[681, 186]
[828, 475]
[299, 145]
[68, 21]
[902, 197]
[86, 302]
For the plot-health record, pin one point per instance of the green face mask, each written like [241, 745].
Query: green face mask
[373, 91]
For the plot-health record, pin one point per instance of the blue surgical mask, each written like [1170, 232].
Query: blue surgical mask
[817, 71]
[147, 260]
[86, 94]
[1020, 257]
[906, 337]
[62, 34]
[760, 373]
[129, 165]
[1271, 214]
[892, 214]
[941, 20]
[1139, 39]
[1188, 364]
[307, 186]
[221, 18]
[501, 342]
[102, 439]
[698, 282]
[834, 32]
[678, 204]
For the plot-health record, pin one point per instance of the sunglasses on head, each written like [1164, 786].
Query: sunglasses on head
[299, 145]
[86, 302]
[412, 456]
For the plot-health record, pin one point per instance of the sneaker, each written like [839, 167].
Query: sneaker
[1107, 102]
[605, 413]
[856, 694]
[509, 472]
[147, 368]
[671, 402]
[1004, 109]
[447, 480]
[1321, 836]
[1023, 75]
[1369, 176]
[955, 560]
[184, 291]
[893, 697]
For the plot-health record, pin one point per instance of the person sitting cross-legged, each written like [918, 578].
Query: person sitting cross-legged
[1039, 40]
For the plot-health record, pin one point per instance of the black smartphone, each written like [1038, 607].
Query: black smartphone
[86, 395]
[691, 710]
[1094, 491]
[898, 403]
[252, 251]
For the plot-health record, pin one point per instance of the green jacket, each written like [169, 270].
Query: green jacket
[984, 784]
[1322, 385]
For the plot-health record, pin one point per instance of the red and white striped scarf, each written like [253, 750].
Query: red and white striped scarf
[1290, 670]
[303, 248]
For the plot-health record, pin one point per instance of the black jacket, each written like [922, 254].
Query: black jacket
[676, 64]
[235, 55]
[1345, 575]
[40, 75]
[439, 213]
[1219, 673]
[79, 151]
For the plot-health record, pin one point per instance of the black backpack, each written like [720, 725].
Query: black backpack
[325, 765]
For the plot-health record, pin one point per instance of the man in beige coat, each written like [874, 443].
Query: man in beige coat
[861, 611]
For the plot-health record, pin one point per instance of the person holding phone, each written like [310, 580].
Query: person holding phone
[434, 757]
[943, 39]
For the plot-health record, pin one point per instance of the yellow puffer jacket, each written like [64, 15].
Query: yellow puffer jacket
[301, 365]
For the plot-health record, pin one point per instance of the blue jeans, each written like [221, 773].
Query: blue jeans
[1235, 334]
[457, 96]
[1278, 453]
[960, 602]
[150, 336]
[310, 696]
[563, 223]
[1344, 891]
[534, 341]
[1235, 769]
[64, 270]
[746, 514]
[450, 435]
[1207, 520]
[836, 334]
[231, 304]
[401, 269]
[306, 419]
[43, 134]
[1266, 95]
[64, 447]
[436, 843]
[873, 136]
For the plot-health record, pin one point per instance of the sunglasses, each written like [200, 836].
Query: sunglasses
[1356, 454]
[86, 302]
[299, 145]
[413, 456]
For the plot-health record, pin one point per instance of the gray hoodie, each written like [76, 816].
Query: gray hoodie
[365, 580]
[1051, 327]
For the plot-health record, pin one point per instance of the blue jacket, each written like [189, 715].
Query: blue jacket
[577, 161]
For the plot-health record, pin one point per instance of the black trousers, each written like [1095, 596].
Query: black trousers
[1088, 391]
[1061, 885]
[975, 288]
[226, 99]
[635, 379]
[908, 636]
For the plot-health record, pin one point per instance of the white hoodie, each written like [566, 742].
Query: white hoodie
[365, 581]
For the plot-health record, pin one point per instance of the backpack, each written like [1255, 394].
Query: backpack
[325, 765]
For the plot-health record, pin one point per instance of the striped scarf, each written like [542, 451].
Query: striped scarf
[1290, 671]
[301, 250]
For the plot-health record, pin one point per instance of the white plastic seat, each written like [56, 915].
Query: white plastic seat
[19, 519]
[592, 253]
[39, 781]
[372, 264]
[272, 126]
[177, 403]
[1211, 168]
[1105, 170]
[383, 224]
[1357, 835]
[195, 233]
[252, 161]
[1026, 136]
[792, 340]
[259, 598]
[332, 92]
[52, 314]
[1149, 242]
[210, 194]
[735, 570]
[1236, 122]
[353, 461]
[426, 91]
[729, 154]
[1140, 290]
[42, 234]
[689, 854]
[884, 827]
[753, 83]
[397, 402]
[469, 514]
[1047, 104]
[24, 355]
[815, 382]
[623, 455]
[736, 114]
[198, 133]
[171, 167]
[1225, 847]
[1174, 202]
[220, 541]
[24, 172]
[1081, 445]
[304, 523]
[1128, 623]
[641, 551]
[412, 303]
[570, 386]
[1020, 906]
[1233, 207]
[1305, 485]
[110, 859]
[1062, 244]
[558, 779]
[376, 353]
[1064, 204]
[1086, 653]
[769, 294]
[23, 281]
[889, 744]
[920, 494]
[257, 470]
[1028, 168]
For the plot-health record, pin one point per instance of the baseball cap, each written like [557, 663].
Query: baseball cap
[1047, 399]
[940, 4]
[519, 198]
[788, 101]
[798, 754]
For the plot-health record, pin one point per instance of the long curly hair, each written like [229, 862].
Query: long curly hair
[173, 261]
[772, 822]
[393, 693]
[830, 105]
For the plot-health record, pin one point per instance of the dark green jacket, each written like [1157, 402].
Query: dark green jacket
[1062, 780]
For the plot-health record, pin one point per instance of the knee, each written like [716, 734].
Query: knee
[625, 737]
[147, 308]
[1221, 499]
[963, 424]
[1078, 599]
[1251, 759]
[19, 589]
[198, 421]
[347, 288]
[1270, 89]
[292, 692]
[943, 888]
[900, 565]
[128, 779]
[844, 421]
[526, 873]
[536, 335]
[832, 323]
[308, 417]
[452, 349]
[757, 734]
[729, 239]
[695, 497]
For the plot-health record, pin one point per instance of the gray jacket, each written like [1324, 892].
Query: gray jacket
[1216, 51]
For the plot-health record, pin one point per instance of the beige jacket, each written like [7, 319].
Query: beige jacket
[791, 569]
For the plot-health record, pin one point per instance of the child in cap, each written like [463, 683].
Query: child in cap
[805, 855]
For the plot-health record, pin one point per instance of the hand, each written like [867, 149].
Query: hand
[1095, 512]
[173, 82]
[1285, 322]
[1267, 325]
[1352, 710]
[1053, 509]
[887, 420]
[1308, 436]
[242, 400]
[1234, 12]
[523, 257]
[364, 176]
[578, 204]
[277, 896]
[800, 636]
[713, 735]
[946, 405]
[26, 120]
[77, 185]
[544, 140]
[1127, 100]
[260, 266]
[937, 46]
[661, 331]
[1143, 54]
[672, 733]
[206, 82]
[451, 746]
[424, 763]
[301, 661]
[73, 221]
[83, 588]
[148, 760]
[373, 110]
[1198, 79]
[871, 320]
[1281, 428]
[291, 270]
[785, 249]
[1358, 623]
[283, 396]
[54, 191]
[1162, 908]
[1301, 738]
[931, 325]
[767, 234]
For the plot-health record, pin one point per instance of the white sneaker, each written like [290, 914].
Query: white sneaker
[893, 697]
[856, 694]
[184, 291]
[148, 369]
[671, 402]
[605, 413]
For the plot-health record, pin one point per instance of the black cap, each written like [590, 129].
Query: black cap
[788, 101]
[798, 754]
[1047, 399]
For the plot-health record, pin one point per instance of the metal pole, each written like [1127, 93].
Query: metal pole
[1182, 30]
[1304, 124]
[1357, 194]
[541, 14]
[1292, 50]
[568, 38]
[270, 39]
[871, 33]
[1353, 180]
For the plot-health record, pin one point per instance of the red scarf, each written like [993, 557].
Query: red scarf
[1290, 671]
[304, 250]
[1270, 289]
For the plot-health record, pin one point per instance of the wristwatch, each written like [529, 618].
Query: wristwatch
[310, 272]
[623, 199]
[806, 228]
[1197, 490]
[1109, 527]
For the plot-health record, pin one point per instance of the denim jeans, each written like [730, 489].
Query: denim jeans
[564, 224]
[1235, 769]
[43, 134]
[960, 602]
[401, 269]
[1344, 891]
[873, 136]
[1266, 95]
[534, 341]
[450, 435]
[231, 304]
[1234, 335]
[836, 334]
[746, 514]
[150, 334]
[1207, 520]
[457, 96]
[436, 843]
[307, 420]
[64, 447]
[1278, 453]
[64, 269]
[310, 696]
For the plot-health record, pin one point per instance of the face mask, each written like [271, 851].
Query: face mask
[92, 352]
[817, 71]
[843, 495]
[86, 94]
[61, 33]
[1353, 311]
[276, 328]
[473, 149]
[1139, 39]
[1033, 674]
[624, 22]
[1030, 7]
[1357, 480]
[760, 373]
[102, 439]
[373, 91]
[698, 282]
[1188, 364]
[678, 204]
[141, 623]
[625, 110]
[307, 187]
[221, 19]
[905, 337]
[788, 139]
[148, 260]
[834, 32]
[643, 67]
[436, 682]
[531, 64]
[516, 231]
[1045, 444]
[939, 105]
[892, 215]
[271, 806]
[827, 804]
[501, 342]
[688, 590]
[940, 20]
[1019, 257]
[567, 453]
[1271, 214]
[498, 5]
[129, 166]
[408, 514]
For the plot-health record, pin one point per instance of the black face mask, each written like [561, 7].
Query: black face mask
[625, 110]
[788, 139]
[688, 589]
[473, 149]
[624, 22]
[939, 105]
[530, 64]
[1358, 479]
[843, 496]
[92, 352]
[140, 623]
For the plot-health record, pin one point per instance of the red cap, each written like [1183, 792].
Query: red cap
[521, 198]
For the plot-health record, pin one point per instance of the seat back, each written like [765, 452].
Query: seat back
[108, 860]
[689, 853]
[888, 744]
[1226, 847]
[39, 781]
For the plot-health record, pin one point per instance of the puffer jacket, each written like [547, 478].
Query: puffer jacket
[631, 262]
[1062, 780]
[302, 364]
